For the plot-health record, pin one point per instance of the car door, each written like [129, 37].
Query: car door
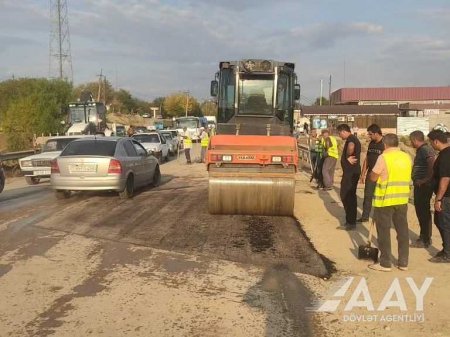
[148, 163]
[164, 146]
[133, 162]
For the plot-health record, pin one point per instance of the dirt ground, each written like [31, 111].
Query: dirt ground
[320, 214]
[160, 265]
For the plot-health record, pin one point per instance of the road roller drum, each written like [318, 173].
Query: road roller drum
[252, 192]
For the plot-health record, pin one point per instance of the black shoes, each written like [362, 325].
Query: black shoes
[350, 227]
[420, 244]
[347, 227]
[360, 220]
[440, 257]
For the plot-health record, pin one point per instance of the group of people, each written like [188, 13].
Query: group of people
[204, 136]
[387, 174]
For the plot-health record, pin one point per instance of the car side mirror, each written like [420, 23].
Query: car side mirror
[297, 92]
[214, 88]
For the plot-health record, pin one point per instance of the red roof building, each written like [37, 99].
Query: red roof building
[397, 96]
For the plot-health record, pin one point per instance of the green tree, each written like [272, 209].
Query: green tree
[324, 101]
[175, 105]
[32, 106]
[158, 102]
[209, 108]
[93, 87]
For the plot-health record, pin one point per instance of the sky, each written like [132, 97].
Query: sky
[157, 47]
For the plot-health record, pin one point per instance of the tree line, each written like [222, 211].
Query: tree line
[36, 105]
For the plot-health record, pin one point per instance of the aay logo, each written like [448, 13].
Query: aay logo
[361, 298]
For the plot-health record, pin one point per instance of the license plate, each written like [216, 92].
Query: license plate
[246, 157]
[42, 173]
[82, 168]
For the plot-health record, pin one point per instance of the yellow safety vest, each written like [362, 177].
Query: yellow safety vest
[205, 141]
[187, 142]
[333, 150]
[396, 189]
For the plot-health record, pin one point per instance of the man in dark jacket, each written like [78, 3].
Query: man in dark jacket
[376, 147]
[351, 171]
[441, 178]
[422, 176]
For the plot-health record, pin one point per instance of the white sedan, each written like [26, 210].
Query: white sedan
[155, 143]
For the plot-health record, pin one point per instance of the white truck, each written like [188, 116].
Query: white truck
[191, 123]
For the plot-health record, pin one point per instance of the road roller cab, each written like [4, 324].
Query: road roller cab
[253, 158]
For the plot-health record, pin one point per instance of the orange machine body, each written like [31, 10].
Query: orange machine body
[253, 150]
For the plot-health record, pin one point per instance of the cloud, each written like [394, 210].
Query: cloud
[441, 14]
[325, 35]
[418, 48]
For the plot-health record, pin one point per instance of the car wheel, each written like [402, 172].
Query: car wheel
[128, 191]
[62, 194]
[32, 180]
[156, 181]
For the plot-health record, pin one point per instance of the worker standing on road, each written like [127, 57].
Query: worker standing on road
[330, 155]
[316, 153]
[130, 131]
[376, 147]
[392, 174]
[351, 171]
[422, 176]
[187, 144]
[204, 142]
[441, 177]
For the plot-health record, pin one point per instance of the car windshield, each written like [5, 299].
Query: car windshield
[56, 144]
[147, 138]
[191, 123]
[92, 147]
[167, 135]
[140, 129]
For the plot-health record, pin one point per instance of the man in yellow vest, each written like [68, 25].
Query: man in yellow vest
[330, 153]
[187, 144]
[204, 142]
[392, 174]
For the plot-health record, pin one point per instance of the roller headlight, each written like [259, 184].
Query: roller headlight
[249, 65]
[266, 66]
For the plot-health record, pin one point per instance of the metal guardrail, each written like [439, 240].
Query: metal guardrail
[304, 158]
[16, 155]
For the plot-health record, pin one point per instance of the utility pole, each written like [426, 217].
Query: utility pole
[100, 81]
[321, 91]
[187, 102]
[60, 58]
[329, 91]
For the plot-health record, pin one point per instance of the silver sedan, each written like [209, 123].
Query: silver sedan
[107, 163]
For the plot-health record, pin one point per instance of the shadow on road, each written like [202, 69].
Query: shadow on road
[281, 293]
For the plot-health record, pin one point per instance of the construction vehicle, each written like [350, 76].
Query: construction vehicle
[87, 117]
[253, 158]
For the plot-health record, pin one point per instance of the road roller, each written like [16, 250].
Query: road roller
[252, 158]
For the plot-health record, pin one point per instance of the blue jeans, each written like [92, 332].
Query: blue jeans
[442, 220]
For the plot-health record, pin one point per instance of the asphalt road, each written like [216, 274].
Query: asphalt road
[171, 219]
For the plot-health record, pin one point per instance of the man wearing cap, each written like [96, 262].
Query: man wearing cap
[204, 142]
[330, 153]
[187, 144]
